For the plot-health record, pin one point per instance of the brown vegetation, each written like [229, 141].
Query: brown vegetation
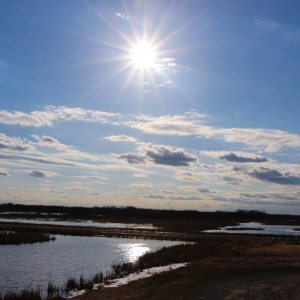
[23, 237]
[23, 295]
[221, 267]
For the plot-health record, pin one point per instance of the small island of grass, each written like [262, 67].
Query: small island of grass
[23, 237]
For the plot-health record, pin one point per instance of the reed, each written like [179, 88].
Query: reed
[23, 295]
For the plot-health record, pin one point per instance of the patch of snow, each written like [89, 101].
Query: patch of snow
[143, 274]
[76, 293]
[131, 277]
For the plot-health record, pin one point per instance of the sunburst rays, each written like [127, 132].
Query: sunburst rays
[141, 53]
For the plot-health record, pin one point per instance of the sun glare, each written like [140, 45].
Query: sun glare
[143, 55]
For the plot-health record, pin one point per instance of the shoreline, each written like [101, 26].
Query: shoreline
[101, 232]
[218, 267]
[210, 255]
[151, 234]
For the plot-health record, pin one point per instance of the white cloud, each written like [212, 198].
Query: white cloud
[181, 125]
[52, 114]
[268, 140]
[22, 119]
[121, 138]
[187, 124]
[123, 16]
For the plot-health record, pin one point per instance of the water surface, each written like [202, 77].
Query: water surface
[34, 265]
[77, 223]
[263, 229]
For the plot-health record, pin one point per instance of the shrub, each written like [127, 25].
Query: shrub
[71, 284]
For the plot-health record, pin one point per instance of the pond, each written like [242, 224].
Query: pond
[258, 228]
[34, 265]
[76, 223]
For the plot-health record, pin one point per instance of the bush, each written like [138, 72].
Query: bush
[98, 278]
[71, 284]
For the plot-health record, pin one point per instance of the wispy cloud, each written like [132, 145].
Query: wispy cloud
[52, 114]
[121, 138]
[92, 177]
[187, 124]
[123, 16]
[183, 125]
[291, 33]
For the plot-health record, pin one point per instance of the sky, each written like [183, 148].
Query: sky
[156, 104]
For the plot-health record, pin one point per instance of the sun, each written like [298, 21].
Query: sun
[143, 55]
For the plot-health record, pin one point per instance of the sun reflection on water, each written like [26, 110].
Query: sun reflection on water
[133, 251]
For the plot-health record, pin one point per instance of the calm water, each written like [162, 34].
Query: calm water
[34, 265]
[77, 223]
[267, 229]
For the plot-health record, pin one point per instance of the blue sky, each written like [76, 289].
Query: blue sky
[163, 104]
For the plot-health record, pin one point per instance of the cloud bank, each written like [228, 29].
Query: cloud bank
[186, 124]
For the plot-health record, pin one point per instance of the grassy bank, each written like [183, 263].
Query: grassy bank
[23, 237]
[220, 267]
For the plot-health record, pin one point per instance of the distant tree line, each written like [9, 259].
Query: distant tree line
[143, 213]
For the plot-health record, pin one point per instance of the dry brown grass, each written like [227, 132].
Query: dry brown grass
[221, 267]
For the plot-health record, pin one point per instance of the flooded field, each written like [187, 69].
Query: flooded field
[258, 228]
[77, 223]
